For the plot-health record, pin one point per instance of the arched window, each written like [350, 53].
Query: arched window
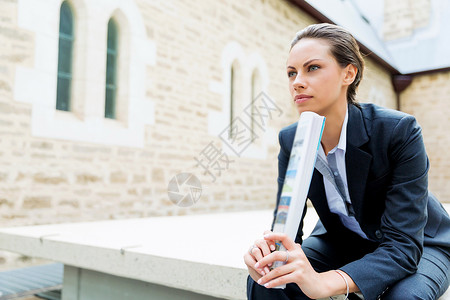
[111, 70]
[65, 55]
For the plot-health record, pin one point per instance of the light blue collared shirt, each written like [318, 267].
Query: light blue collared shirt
[335, 201]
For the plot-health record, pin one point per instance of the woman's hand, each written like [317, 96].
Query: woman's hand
[256, 252]
[296, 270]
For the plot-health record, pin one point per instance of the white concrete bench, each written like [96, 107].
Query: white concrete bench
[185, 257]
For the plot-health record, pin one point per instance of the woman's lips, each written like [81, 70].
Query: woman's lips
[301, 98]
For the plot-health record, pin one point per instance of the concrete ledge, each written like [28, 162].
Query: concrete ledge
[199, 253]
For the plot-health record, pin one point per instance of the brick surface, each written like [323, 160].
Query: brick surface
[427, 99]
[403, 17]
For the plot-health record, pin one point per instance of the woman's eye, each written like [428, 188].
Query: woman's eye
[313, 68]
[291, 74]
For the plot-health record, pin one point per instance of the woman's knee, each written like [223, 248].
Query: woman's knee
[410, 289]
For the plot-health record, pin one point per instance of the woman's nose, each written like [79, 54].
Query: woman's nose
[299, 81]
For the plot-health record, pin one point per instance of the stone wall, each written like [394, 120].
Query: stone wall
[376, 86]
[403, 17]
[428, 95]
[427, 98]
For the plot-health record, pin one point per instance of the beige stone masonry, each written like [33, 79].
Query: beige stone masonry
[403, 17]
[428, 100]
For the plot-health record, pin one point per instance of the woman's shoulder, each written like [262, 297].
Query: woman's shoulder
[286, 136]
[390, 127]
[289, 129]
[382, 118]
[372, 111]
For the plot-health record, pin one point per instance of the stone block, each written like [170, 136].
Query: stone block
[49, 178]
[139, 178]
[3, 176]
[42, 145]
[158, 175]
[118, 177]
[37, 202]
[87, 178]
[70, 203]
[4, 202]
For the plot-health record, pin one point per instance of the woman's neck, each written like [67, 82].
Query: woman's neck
[332, 130]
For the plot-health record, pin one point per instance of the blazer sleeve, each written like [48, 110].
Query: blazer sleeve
[404, 217]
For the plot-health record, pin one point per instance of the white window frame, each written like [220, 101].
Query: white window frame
[219, 120]
[86, 122]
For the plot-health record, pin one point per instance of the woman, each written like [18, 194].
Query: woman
[384, 235]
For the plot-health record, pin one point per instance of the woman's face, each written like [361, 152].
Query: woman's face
[316, 81]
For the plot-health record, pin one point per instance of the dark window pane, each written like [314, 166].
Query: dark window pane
[65, 52]
[65, 56]
[112, 35]
[111, 70]
[66, 19]
[63, 94]
[232, 100]
[253, 106]
[110, 103]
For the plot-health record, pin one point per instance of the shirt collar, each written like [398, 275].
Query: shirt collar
[343, 138]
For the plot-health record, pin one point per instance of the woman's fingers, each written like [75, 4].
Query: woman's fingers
[275, 256]
[287, 242]
[272, 278]
[259, 251]
[269, 242]
[256, 254]
[288, 278]
[264, 246]
[250, 262]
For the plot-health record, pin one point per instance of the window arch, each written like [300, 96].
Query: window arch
[65, 57]
[112, 53]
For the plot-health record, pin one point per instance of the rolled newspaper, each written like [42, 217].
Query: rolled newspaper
[298, 177]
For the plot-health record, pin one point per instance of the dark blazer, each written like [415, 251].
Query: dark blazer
[387, 170]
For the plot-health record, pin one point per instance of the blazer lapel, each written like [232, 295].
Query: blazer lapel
[319, 200]
[357, 160]
[317, 193]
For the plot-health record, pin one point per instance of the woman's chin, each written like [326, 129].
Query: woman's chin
[303, 109]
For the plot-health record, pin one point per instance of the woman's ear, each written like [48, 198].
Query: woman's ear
[350, 72]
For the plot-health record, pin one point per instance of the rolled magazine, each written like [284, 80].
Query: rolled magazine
[298, 177]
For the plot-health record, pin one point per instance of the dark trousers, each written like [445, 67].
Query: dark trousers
[325, 253]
